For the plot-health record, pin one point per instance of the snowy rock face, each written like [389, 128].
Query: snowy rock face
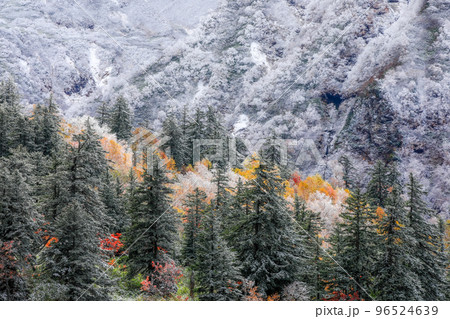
[369, 79]
[83, 50]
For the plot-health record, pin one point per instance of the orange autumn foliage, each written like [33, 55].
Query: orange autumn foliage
[116, 154]
[380, 213]
[51, 241]
[274, 297]
[311, 184]
[250, 165]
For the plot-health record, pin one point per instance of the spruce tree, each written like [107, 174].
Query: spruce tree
[185, 150]
[46, 125]
[19, 228]
[264, 239]
[195, 131]
[10, 117]
[217, 274]
[111, 195]
[103, 114]
[121, 119]
[153, 222]
[426, 245]
[72, 261]
[377, 189]
[221, 202]
[348, 172]
[172, 130]
[358, 251]
[394, 274]
[195, 206]
[309, 227]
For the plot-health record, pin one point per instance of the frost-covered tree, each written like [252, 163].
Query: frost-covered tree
[72, 261]
[195, 206]
[11, 120]
[357, 251]
[112, 198]
[309, 227]
[120, 122]
[264, 237]
[217, 274]
[377, 189]
[104, 114]
[46, 128]
[395, 277]
[176, 143]
[153, 221]
[19, 225]
[426, 245]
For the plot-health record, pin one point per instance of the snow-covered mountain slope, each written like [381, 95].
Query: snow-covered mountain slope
[82, 50]
[369, 78]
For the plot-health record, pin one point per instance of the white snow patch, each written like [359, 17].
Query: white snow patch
[241, 123]
[94, 63]
[258, 57]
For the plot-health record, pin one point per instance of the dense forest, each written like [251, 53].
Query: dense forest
[80, 219]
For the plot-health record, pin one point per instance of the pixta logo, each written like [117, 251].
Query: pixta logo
[147, 146]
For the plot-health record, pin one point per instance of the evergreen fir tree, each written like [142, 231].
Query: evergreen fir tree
[153, 222]
[358, 251]
[111, 195]
[427, 244]
[185, 150]
[195, 131]
[19, 227]
[395, 278]
[222, 197]
[217, 274]
[72, 260]
[377, 189]
[264, 239]
[348, 172]
[195, 206]
[10, 117]
[8, 94]
[309, 227]
[46, 127]
[121, 119]
[173, 131]
[103, 114]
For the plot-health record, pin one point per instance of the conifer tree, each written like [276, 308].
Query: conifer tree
[217, 274]
[309, 227]
[426, 245]
[8, 93]
[19, 227]
[153, 222]
[195, 131]
[46, 127]
[265, 240]
[172, 130]
[72, 260]
[120, 123]
[377, 189]
[185, 150]
[348, 172]
[222, 196]
[239, 205]
[103, 114]
[358, 251]
[10, 117]
[395, 278]
[111, 195]
[195, 206]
